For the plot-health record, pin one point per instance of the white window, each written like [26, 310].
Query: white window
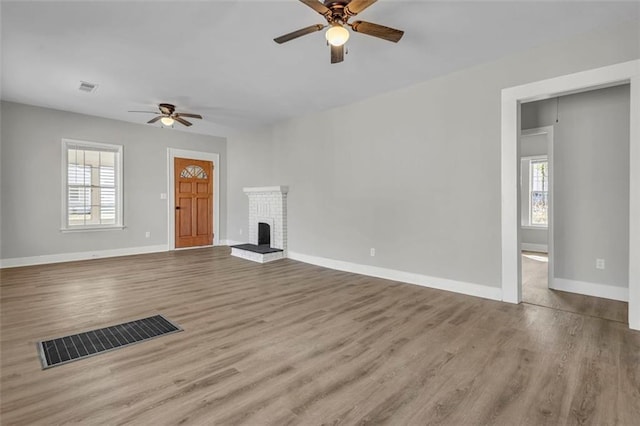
[535, 191]
[92, 185]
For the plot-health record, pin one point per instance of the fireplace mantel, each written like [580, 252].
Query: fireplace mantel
[280, 189]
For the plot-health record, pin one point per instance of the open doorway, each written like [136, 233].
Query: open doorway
[576, 262]
[539, 286]
[536, 154]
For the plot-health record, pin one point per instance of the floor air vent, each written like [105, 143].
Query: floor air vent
[82, 345]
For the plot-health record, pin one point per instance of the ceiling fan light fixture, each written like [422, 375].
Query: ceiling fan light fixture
[337, 35]
[167, 121]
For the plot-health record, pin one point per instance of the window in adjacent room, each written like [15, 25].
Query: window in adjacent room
[92, 185]
[535, 191]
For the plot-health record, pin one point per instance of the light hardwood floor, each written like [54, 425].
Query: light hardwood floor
[290, 343]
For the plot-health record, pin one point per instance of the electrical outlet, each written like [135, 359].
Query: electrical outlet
[147, 234]
[599, 263]
[372, 252]
[240, 232]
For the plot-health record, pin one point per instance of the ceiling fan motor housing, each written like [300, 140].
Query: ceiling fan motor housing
[339, 11]
[167, 109]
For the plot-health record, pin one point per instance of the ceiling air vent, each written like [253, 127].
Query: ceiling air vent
[87, 87]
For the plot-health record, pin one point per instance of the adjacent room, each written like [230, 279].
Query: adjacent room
[314, 212]
[587, 135]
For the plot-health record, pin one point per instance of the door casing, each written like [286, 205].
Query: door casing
[512, 97]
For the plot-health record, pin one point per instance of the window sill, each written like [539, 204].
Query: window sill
[92, 229]
[534, 227]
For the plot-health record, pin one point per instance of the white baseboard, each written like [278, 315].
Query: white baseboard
[85, 255]
[591, 289]
[470, 289]
[231, 243]
[540, 248]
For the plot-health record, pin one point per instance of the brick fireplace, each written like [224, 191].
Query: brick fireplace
[267, 213]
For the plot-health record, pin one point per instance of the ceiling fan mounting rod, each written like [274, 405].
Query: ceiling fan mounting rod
[332, 3]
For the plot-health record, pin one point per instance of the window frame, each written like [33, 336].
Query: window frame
[118, 166]
[525, 182]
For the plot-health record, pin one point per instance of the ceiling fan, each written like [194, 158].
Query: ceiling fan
[337, 14]
[168, 115]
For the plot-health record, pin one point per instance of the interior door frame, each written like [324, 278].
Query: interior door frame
[214, 157]
[548, 131]
[608, 76]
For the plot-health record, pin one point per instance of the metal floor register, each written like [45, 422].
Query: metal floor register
[82, 345]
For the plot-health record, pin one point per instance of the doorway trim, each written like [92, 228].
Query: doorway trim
[512, 97]
[172, 153]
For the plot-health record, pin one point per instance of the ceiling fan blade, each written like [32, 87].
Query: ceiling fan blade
[356, 6]
[186, 114]
[375, 30]
[147, 112]
[299, 33]
[318, 7]
[154, 119]
[181, 120]
[337, 54]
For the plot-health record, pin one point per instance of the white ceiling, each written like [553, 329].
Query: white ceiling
[218, 58]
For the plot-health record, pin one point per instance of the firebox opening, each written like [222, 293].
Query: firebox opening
[264, 234]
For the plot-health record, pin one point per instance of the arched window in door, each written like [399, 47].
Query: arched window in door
[193, 171]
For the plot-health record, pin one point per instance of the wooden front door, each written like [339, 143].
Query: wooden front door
[194, 202]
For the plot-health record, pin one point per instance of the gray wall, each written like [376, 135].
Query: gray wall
[31, 180]
[535, 236]
[252, 166]
[532, 145]
[414, 173]
[591, 183]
